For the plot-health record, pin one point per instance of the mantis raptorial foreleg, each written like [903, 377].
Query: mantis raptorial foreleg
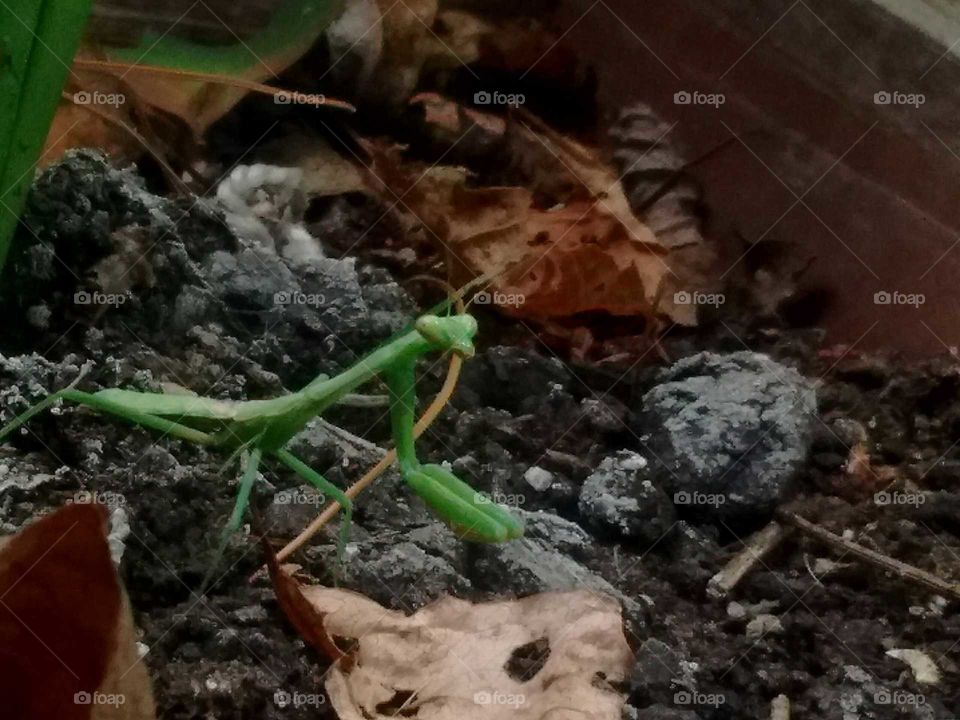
[468, 513]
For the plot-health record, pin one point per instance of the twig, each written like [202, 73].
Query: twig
[145, 144]
[756, 548]
[364, 401]
[316, 100]
[347, 437]
[884, 562]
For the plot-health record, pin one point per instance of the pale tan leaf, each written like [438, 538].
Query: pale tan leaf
[325, 171]
[455, 660]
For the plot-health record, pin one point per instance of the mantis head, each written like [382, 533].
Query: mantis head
[454, 332]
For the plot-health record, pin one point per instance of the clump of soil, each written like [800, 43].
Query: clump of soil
[579, 454]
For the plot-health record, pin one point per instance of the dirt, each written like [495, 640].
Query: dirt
[200, 309]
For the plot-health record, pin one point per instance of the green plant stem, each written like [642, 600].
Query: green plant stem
[38, 39]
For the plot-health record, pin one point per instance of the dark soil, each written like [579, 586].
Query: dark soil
[199, 311]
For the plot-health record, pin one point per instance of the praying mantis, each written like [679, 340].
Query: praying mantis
[261, 429]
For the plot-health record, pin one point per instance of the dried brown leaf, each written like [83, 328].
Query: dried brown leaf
[548, 263]
[529, 659]
[66, 630]
[304, 617]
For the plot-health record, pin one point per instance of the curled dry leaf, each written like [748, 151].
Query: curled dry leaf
[552, 655]
[386, 46]
[306, 620]
[325, 171]
[66, 633]
[587, 254]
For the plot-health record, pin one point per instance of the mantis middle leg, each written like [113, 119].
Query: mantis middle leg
[250, 471]
[326, 487]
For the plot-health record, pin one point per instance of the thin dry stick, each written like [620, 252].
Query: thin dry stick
[292, 97]
[757, 546]
[116, 122]
[904, 571]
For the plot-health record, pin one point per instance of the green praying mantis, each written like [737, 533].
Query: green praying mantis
[262, 428]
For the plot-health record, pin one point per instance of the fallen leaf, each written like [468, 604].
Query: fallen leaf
[306, 620]
[552, 655]
[325, 171]
[547, 263]
[408, 43]
[79, 123]
[66, 630]
[553, 160]
[291, 30]
[656, 176]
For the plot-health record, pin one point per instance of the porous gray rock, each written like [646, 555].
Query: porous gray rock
[620, 500]
[656, 673]
[547, 558]
[726, 434]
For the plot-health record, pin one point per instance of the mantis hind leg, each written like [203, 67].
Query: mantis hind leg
[126, 412]
[25, 416]
[236, 517]
[328, 488]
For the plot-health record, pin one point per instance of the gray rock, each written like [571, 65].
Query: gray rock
[620, 500]
[119, 532]
[763, 625]
[655, 673]
[544, 560]
[522, 379]
[403, 571]
[606, 415]
[538, 478]
[727, 433]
